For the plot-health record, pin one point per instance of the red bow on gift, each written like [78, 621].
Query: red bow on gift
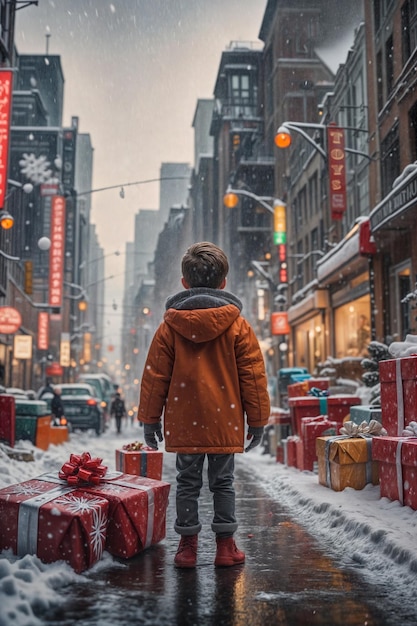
[81, 469]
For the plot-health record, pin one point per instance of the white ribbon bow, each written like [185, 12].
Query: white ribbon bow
[410, 430]
[371, 429]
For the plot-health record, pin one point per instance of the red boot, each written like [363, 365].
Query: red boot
[187, 551]
[227, 553]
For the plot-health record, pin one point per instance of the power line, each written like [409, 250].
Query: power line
[139, 182]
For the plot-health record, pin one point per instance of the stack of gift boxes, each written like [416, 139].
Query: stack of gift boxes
[397, 452]
[313, 414]
[77, 513]
[379, 444]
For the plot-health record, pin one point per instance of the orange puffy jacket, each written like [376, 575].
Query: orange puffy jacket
[204, 371]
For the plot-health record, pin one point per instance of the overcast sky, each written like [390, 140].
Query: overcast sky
[134, 70]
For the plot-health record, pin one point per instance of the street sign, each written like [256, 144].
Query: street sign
[279, 323]
[22, 347]
[10, 320]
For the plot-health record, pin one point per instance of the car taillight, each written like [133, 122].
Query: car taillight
[91, 402]
[63, 421]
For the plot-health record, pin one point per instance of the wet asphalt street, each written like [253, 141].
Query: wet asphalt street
[287, 578]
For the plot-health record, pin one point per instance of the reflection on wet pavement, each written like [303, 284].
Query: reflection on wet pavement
[287, 578]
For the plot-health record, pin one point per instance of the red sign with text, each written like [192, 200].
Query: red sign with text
[337, 171]
[43, 330]
[10, 320]
[279, 323]
[56, 251]
[6, 86]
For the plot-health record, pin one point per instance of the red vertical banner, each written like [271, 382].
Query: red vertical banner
[6, 87]
[337, 171]
[56, 251]
[43, 330]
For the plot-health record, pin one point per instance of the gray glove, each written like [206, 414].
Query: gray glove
[255, 434]
[150, 430]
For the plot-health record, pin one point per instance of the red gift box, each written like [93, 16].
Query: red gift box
[336, 408]
[311, 428]
[143, 462]
[55, 522]
[290, 450]
[7, 419]
[137, 512]
[398, 378]
[302, 388]
[397, 457]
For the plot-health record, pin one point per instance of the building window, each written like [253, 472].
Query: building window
[352, 324]
[312, 187]
[390, 160]
[412, 119]
[381, 11]
[409, 28]
[244, 95]
[269, 91]
[379, 81]
[402, 313]
[389, 64]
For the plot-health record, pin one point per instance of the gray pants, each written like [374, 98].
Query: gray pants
[189, 483]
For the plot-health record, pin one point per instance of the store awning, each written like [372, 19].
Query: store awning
[348, 257]
[317, 300]
[397, 209]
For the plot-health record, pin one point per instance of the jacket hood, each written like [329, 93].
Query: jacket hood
[201, 314]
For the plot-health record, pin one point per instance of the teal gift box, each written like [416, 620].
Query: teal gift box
[365, 413]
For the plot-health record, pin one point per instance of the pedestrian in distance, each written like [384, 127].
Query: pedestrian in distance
[118, 410]
[204, 372]
[48, 388]
[57, 407]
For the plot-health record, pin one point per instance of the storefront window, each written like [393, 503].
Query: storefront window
[352, 328]
[402, 310]
[309, 340]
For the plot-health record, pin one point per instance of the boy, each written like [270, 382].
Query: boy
[204, 370]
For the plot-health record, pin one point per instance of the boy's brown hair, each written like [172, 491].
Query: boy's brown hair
[204, 265]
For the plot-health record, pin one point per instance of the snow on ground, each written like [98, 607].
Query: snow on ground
[376, 534]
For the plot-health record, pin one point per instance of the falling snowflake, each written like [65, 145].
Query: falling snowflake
[98, 532]
[36, 169]
[79, 504]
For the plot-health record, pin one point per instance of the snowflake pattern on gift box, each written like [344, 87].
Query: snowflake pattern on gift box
[98, 532]
[22, 490]
[113, 488]
[79, 504]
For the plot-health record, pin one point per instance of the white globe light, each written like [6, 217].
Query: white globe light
[44, 243]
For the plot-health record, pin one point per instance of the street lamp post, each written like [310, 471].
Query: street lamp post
[277, 208]
[332, 149]
[283, 138]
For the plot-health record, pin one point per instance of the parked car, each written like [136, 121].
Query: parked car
[17, 392]
[104, 387]
[81, 406]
